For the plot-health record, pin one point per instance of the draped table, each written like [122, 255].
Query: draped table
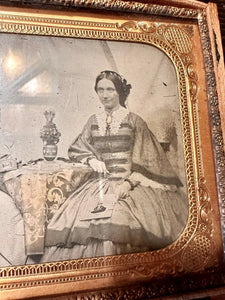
[38, 191]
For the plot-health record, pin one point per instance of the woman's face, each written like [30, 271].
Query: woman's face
[107, 94]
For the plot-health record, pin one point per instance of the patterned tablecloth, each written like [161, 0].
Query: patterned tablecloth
[38, 191]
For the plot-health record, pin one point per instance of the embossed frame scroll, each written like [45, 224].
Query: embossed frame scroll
[184, 31]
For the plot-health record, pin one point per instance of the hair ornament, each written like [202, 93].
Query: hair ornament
[120, 83]
[125, 85]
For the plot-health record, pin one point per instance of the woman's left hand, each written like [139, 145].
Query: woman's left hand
[123, 190]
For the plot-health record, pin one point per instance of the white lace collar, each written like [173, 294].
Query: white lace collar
[116, 119]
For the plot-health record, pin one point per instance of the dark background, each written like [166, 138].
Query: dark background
[221, 12]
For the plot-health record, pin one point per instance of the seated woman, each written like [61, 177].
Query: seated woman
[132, 202]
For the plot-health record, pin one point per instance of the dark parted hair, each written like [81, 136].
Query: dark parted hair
[121, 86]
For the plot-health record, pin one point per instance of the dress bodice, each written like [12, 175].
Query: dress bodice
[115, 149]
[126, 145]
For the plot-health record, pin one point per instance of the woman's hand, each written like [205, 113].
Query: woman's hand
[123, 190]
[98, 166]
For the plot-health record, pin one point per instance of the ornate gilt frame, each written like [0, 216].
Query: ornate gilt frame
[179, 30]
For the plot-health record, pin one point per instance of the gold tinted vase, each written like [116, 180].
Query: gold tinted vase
[50, 152]
[50, 136]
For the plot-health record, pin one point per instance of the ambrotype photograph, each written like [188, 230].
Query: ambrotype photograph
[91, 149]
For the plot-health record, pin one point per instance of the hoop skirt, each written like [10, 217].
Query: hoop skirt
[93, 222]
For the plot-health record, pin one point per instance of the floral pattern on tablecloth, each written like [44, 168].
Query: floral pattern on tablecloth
[60, 186]
[38, 196]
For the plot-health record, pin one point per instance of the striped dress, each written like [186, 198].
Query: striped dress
[92, 222]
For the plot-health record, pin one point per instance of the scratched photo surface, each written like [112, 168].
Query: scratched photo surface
[91, 149]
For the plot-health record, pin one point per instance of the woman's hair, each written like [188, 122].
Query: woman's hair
[122, 88]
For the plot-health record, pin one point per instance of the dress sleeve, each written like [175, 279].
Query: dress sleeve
[149, 158]
[81, 150]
